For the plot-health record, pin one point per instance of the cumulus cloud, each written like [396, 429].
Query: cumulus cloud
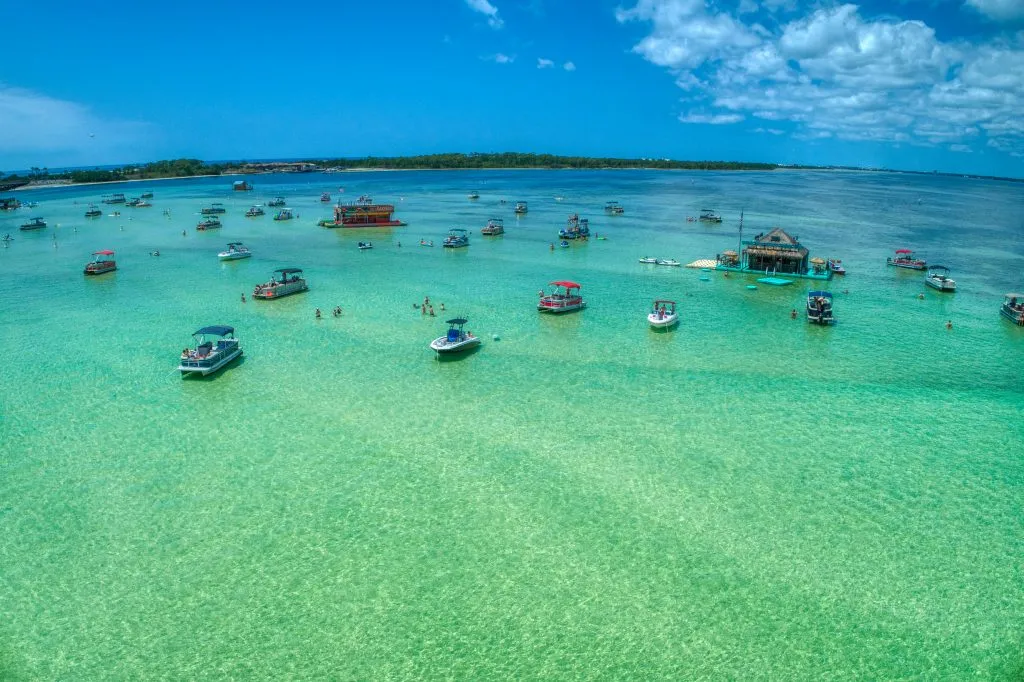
[999, 10]
[487, 9]
[836, 74]
[544, 63]
[569, 66]
[501, 58]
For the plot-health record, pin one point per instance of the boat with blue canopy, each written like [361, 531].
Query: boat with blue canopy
[213, 348]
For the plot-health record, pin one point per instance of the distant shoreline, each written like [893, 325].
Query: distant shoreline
[56, 185]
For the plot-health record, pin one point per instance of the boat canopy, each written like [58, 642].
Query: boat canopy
[217, 329]
[234, 243]
[457, 229]
[105, 252]
[819, 294]
[457, 320]
[660, 300]
[1016, 296]
[288, 271]
[904, 251]
[938, 267]
[565, 283]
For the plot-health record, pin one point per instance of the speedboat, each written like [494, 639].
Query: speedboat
[283, 282]
[146, 195]
[325, 198]
[102, 261]
[142, 203]
[210, 355]
[254, 211]
[211, 223]
[565, 298]
[284, 214]
[836, 266]
[495, 226]
[363, 246]
[938, 278]
[905, 259]
[34, 224]
[236, 251]
[709, 216]
[668, 261]
[456, 340]
[276, 202]
[614, 208]
[93, 212]
[214, 209]
[520, 208]
[663, 314]
[474, 195]
[649, 261]
[819, 307]
[134, 201]
[456, 239]
[1013, 308]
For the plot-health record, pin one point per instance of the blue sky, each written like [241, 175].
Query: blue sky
[914, 84]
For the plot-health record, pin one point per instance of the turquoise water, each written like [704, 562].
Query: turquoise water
[743, 497]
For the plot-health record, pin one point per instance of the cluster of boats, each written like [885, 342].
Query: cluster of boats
[937, 276]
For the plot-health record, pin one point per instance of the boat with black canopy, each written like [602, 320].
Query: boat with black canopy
[283, 282]
[819, 307]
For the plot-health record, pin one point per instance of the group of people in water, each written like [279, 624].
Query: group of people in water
[426, 308]
[336, 312]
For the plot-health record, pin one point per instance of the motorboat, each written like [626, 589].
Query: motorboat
[363, 246]
[114, 199]
[564, 244]
[614, 208]
[564, 298]
[905, 259]
[146, 195]
[709, 216]
[819, 307]
[520, 208]
[134, 201]
[236, 251]
[211, 223]
[456, 239]
[495, 226]
[836, 266]
[284, 214]
[283, 282]
[34, 224]
[215, 208]
[214, 347]
[142, 203]
[325, 198]
[102, 262]
[672, 262]
[276, 202]
[93, 212]
[474, 195]
[456, 340]
[1013, 308]
[938, 278]
[663, 314]
[254, 211]
[649, 261]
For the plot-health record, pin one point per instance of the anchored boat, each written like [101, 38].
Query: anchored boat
[614, 208]
[211, 223]
[236, 251]
[709, 216]
[284, 214]
[254, 211]
[819, 307]
[663, 314]
[325, 198]
[905, 259]
[34, 224]
[215, 208]
[575, 228]
[93, 211]
[938, 278]
[114, 199]
[283, 282]
[456, 239]
[363, 213]
[494, 227]
[456, 340]
[565, 298]
[836, 266]
[520, 208]
[102, 261]
[1013, 308]
[474, 195]
[210, 354]
[276, 202]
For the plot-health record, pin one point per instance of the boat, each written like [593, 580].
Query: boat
[456, 340]
[425, 242]
[819, 307]
[905, 259]
[363, 246]
[649, 261]
[142, 203]
[146, 195]
[210, 354]
[284, 214]
[254, 211]
[564, 244]
[93, 211]
[241, 186]
[134, 201]
[114, 199]
[836, 266]
[565, 298]
[363, 213]
[938, 278]
[215, 208]
[614, 208]
[9, 203]
[495, 226]
[211, 223]
[276, 202]
[520, 208]
[325, 198]
[236, 251]
[575, 228]
[283, 282]
[709, 216]
[34, 224]
[1013, 308]
[663, 314]
[474, 195]
[102, 261]
[672, 262]
[456, 239]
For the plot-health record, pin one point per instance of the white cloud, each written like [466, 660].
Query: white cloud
[836, 74]
[999, 10]
[960, 148]
[544, 63]
[40, 128]
[501, 58]
[771, 131]
[490, 11]
[569, 66]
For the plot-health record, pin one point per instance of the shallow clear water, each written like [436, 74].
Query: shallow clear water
[743, 497]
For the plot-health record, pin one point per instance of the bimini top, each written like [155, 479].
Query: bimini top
[566, 284]
[217, 329]
[663, 300]
[819, 294]
[938, 267]
[105, 252]
[1013, 295]
[456, 320]
[904, 251]
[234, 243]
[288, 271]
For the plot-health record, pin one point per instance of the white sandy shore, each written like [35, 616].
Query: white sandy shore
[117, 182]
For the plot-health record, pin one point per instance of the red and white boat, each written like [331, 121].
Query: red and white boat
[564, 298]
[102, 261]
[363, 214]
[905, 259]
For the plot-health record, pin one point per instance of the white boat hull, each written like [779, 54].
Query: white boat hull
[662, 322]
[204, 368]
[234, 255]
[442, 345]
[940, 285]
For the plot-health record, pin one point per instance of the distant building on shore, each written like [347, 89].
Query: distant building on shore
[241, 186]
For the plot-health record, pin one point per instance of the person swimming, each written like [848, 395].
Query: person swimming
[317, 313]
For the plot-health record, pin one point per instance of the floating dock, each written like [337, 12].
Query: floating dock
[702, 263]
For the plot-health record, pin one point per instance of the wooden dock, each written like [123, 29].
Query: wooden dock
[702, 263]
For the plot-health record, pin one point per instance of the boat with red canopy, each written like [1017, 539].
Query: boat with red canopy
[102, 261]
[905, 259]
[362, 213]
[564, 298]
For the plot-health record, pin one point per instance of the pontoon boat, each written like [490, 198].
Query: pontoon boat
[102, 261]
[938, 278]
[210, 355]
[236, 251]
[284, 282]
[565, 298]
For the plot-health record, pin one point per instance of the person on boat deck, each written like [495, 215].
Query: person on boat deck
[184, 354]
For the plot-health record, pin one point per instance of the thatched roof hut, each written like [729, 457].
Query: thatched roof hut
[776, 251]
